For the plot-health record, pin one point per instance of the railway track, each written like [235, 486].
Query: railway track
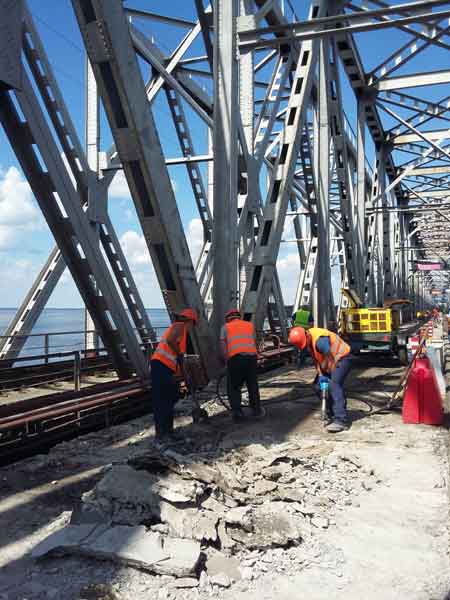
[34, 425]
[16, 378]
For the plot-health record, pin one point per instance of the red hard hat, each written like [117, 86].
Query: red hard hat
[297, 337]
[189, 314]
[233, 312]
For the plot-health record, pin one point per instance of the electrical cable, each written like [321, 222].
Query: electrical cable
[58, 33]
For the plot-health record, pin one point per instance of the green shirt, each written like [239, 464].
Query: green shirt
[303, 318]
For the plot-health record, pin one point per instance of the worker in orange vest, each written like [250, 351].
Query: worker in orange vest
[238, 348]
[332, 360]
[166, 362]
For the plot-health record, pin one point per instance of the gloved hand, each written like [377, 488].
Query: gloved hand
[324, 380]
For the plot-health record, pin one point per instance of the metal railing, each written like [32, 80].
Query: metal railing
[47, 347]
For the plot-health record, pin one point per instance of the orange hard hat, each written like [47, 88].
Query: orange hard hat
[297, 337]
[189, 314]
[233, 312]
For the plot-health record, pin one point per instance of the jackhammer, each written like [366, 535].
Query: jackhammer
[324, 385]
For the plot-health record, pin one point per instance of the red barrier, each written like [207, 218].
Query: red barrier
[422, 400]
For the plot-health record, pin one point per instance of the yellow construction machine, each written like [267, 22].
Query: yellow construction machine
[362, 326]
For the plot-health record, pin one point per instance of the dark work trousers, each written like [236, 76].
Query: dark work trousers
[165, 394]
[242, 368]
[337, 406]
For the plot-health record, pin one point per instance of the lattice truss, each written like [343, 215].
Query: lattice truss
[291, 130]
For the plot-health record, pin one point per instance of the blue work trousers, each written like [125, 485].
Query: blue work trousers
[165, 394]
[338, 401]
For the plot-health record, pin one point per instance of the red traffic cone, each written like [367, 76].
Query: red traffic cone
[422, 400]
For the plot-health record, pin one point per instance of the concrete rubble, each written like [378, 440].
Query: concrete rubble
[365, 513]
[215, 517]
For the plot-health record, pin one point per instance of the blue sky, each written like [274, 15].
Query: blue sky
[25, 240]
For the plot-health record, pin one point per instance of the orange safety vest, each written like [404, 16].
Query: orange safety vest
[338, 348]
[239, 338]
[164, 352]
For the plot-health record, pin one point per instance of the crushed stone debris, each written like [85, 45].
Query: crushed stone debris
[167, 512]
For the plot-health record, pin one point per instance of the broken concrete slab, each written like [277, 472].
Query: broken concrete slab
[228, 479]
[241, 516]
[218, 563]
[134, 546]
[291, 494]
[320, 522]
[276, 471]
[272, 524]
[131, 545]
[184, 583]
[140, 487]
[262, 487]
[215, 506]
[184, 557]
[226, 542]
[221, 580]
[63, 540]
[190, 523]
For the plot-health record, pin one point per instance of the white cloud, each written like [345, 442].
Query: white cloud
[119, 186]
[135, 248]
[194, 237]
[119, 189]
[289, 271]
[18, 214]
[138, 258]
[16, 275]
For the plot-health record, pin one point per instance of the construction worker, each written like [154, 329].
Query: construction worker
[238, 349]
[332, 360]
[166, 362]
[303, 318]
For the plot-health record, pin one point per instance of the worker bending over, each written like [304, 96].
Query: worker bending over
[332, 359]
[238, 348]
[166, 362]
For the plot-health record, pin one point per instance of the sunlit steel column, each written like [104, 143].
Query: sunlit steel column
[360, 212]
[322, 296]
[92, 125]
[225, 243]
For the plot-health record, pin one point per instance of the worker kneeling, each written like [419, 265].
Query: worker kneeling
[238, 348]
[332, 359]
[166, 363]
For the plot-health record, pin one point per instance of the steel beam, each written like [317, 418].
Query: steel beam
[105, 30]
[89, 187]
[412, 81]
[225, 148]
[11, 18]
[329, 26]
[61, 207]
[268, 242]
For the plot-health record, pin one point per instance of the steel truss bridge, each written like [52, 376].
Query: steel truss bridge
[279, 120]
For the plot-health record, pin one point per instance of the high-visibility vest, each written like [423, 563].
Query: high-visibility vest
[164, 352]
[302, 319]
[338, 348]
[239, 338]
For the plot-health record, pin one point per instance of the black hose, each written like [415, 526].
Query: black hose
[371, 408]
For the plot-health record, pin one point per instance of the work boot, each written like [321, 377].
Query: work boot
[337, 427]
[239, 417]
[328, 419]
[258, 412]
[167, 438]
